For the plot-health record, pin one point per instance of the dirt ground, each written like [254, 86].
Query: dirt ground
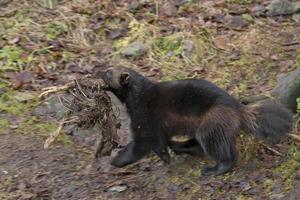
[68, 172]
[233, 43]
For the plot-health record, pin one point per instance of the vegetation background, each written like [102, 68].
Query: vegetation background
[241, 45]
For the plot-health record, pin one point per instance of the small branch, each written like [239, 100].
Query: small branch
[80, 89]
[56, 133]
[272, 150]
[54, 89]
[295, 137]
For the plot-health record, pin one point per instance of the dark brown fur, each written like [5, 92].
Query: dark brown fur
[197, 108]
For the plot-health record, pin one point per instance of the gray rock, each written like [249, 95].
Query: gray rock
[296, 17]
[52, 108]
[288, 89]
[258, 10]
[238, 23]
[118, 188]
[24, 96]
[135, 49]
[188, 47]
[282, 7]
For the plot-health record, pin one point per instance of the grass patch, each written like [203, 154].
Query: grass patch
[13, 58]
[10, 105]
[55, 29]
[289, 167]
[4, 125]
[268, 185]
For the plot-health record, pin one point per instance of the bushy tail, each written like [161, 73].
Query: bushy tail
[268, 121]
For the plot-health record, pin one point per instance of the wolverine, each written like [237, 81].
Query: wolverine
[196, 108]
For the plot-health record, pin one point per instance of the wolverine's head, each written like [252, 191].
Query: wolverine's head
[120, 80]
[116, 77]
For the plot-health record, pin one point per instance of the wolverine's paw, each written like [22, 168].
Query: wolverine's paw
[164, 156]
[129, 154]
[218, 169]
[122, 158]
[118, 162]
[209, 170]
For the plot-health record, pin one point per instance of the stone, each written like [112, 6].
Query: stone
[24, 96]
[188, 47]
[52, 108]
[288, 89]
[258, 10]
[118, 188]
[296, 17]
[282, 7]
[238, 23]
[135, 49]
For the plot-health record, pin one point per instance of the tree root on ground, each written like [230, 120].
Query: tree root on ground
[89, 106]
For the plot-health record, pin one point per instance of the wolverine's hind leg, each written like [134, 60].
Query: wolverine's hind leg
[217, 138]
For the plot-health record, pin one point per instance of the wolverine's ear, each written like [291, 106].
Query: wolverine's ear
[124, 78]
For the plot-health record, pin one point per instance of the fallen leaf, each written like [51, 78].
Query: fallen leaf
[222, 42]
[14, 40]
[245, 186]
[237, 23]
[285, 65]
[235, 55]
[169, 8]
[218, 17]
[21, 78]
[115, 33]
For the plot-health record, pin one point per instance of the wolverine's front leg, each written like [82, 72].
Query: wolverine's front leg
[142, 144]
[131, 153]
[163, 154]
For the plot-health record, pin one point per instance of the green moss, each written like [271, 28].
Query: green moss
[3, 196]
[298, 105]
[288, 168]
[298, 58]
[14, 24]
[9, 104]
[169, 45]
[12, 58]
[54, 29]
[248, 17]
[195, 173]
[268, 185]
[65, 139]
[4, 125]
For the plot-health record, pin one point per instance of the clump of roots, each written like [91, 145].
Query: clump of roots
[89, 106]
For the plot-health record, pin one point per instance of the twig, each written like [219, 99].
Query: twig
[271, 149]
[56, 133]
[294, 136]
[54, 89]
[80, 89]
